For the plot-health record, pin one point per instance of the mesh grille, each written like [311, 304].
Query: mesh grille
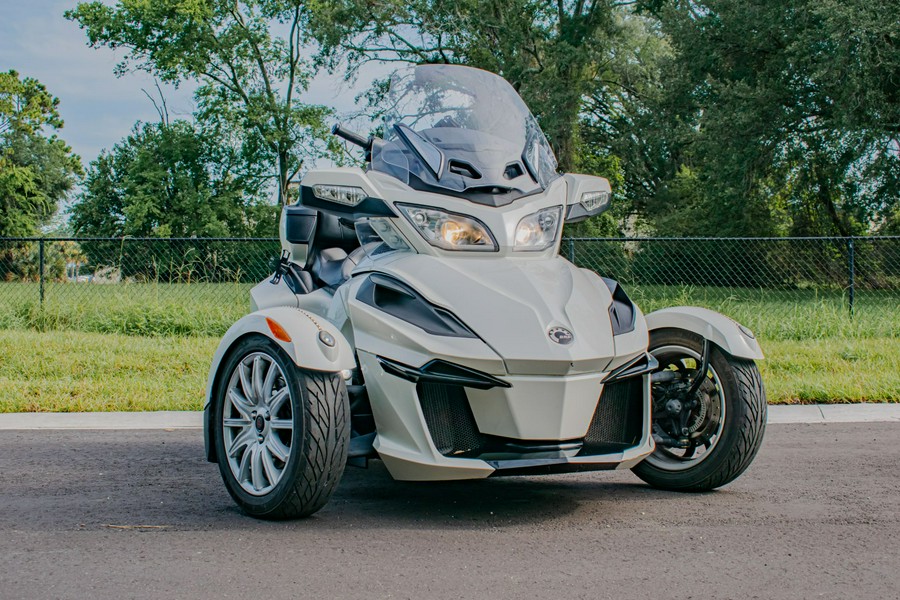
[617, 419]
[449, 418]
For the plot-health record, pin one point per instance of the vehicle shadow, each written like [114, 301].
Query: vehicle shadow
[93, 480]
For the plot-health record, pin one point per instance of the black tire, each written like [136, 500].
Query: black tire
[319, 440]
[742, 431]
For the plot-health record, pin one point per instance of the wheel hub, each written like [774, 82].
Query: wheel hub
[685, 422]
[258, 423]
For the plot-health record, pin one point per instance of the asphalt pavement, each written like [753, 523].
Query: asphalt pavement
[140, 514]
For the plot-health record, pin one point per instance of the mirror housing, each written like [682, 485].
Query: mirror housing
[587, 196]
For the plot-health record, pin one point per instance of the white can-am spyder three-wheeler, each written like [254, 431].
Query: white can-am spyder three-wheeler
[421, 314]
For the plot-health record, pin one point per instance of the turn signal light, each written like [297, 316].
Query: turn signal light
[277, 330]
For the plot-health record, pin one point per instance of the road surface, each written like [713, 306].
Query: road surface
[140, 514]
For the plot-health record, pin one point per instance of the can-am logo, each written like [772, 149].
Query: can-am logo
[561, 335]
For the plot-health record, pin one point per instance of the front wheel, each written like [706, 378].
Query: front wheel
[281, 433]
[707, 438]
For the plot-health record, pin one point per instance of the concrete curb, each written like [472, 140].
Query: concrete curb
[811, 413]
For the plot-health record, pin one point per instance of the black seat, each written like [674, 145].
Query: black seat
[333, 248]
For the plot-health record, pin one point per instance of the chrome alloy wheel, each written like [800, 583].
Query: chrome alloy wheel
[258, 424]
[706, 418]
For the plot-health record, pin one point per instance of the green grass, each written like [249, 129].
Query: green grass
[74, 371]
[145, 309]
[148, 346]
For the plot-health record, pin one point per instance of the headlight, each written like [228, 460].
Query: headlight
[538, 231]
[447, 230]
[342, 194]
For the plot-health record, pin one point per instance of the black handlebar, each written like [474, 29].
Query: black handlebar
[352, 137]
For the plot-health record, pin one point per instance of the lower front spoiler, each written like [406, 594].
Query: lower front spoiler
[406, 467]
[580, 464]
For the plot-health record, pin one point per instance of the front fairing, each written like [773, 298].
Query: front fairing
[511, 305]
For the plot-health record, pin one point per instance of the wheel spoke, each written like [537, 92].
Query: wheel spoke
[277, 448]
[240, 403]
[269, 382]
[258, 380]
[284, 424]
[236, 422]
[245, 383]
[256, 468]
[242, 439]
[272, 472]
[244, 469]
[277, 400]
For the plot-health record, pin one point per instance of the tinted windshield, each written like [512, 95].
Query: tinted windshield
[458, 128]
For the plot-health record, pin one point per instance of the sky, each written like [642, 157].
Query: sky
[98, 108]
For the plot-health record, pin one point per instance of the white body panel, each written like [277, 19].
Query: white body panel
[305, 348]
[726, 333]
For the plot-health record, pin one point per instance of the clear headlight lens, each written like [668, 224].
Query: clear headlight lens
[341, 194]
[538, 230]
[449, 231]
[592, 201]
[379, 230]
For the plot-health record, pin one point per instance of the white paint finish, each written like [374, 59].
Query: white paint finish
[511, 304]
[403, 441]
[538, 408]
[716, 327]
[305, 348]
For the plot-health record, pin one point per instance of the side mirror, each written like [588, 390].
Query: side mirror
[587, 196]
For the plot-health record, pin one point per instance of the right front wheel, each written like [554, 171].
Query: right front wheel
[281, 434]
[704, 439]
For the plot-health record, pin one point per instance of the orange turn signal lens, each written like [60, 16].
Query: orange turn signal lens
[277, 330]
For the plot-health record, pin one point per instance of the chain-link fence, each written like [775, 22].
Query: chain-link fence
[783, 288]
[150, 286]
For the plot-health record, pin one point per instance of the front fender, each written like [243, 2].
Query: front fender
[306, 348]
[726, 333]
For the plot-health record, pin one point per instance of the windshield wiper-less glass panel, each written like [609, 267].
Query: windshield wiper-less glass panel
[428, 152]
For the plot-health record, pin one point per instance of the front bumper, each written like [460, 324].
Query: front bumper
[435, 431]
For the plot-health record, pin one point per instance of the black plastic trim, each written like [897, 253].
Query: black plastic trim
[397, 299]
[369, 207]
[643, 364]
[622, 312]
[300, 224]
[475, 194]
[441, 371]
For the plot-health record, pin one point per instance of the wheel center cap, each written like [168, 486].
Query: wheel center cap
[260, 423]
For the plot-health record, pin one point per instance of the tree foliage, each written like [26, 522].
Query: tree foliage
[169, 180]
[36, 170]
[770, 118]
[248, 57]
[549, 51]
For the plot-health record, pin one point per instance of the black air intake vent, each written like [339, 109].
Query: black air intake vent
[449, 418]
[618, 420]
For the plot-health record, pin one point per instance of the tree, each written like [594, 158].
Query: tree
[771, 118]
[36, 170]
[169, 180]
[549, 51]
[250, 77]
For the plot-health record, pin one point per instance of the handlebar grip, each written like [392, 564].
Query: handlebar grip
[351, 136]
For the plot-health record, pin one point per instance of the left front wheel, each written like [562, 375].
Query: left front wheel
[281, 433]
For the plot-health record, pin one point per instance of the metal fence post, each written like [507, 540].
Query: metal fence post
[851, 260]
[41, 267]
[571, 250]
